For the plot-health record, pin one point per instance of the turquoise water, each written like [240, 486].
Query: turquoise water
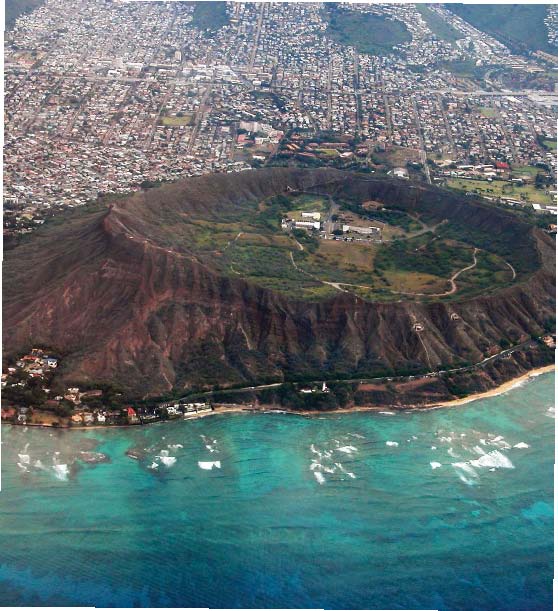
[288, 511]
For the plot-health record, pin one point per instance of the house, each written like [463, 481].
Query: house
[77, 418]
[90, 394]
[307, 224]
[88, 418]
[311, 215]
[101, 418]
[132, 415]
[8, 413]
[549, 341]
[401, 173]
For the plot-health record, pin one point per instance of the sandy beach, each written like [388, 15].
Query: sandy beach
[499, 390]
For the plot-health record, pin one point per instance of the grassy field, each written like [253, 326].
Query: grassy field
[550, 144]
[177, 121]
[339, 261]
[368, 33]
[309, 203]
[500, 188]
[443, 30]
[415, 282]
[526, 170]
[488, 112]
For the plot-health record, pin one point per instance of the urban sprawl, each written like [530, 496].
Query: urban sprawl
[106, 97]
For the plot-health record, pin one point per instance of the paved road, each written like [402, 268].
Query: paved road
[432, 374]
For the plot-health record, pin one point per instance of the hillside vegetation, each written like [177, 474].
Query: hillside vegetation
[368, 33]
[520, 26]
[15, 8]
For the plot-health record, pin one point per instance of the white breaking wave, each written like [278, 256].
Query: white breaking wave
[393, 444]
[168, 461]
[493, 459]
[499, 442]
[347, 449]
[153, 465]
[319, 477]
[452, 453]
[435, 465]
[24, 458]
[175, 446]
[387, 413]
[343, 470]
[465, 472]
[208, 465]
[61, 472]
[521, 445]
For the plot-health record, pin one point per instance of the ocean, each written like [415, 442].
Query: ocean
[443, 509]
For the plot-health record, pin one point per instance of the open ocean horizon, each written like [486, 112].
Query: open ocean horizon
[447, 509]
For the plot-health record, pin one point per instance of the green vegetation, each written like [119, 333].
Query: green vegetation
[210, 15]
[424, 254]
[396, 218]
[465, 69]
[520, 26]
[177, 121]
[549, 144]
[244, 239]
[498, 188]
[15, 8]
[491, 242]
[443, 30]
[309, 203]
[491, 271]
[487, 111]
[367, 32]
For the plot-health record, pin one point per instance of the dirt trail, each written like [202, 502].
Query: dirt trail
[335, 285]
[451, 280]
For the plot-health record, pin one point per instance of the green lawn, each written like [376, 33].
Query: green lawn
[488, 112]
[500, 188]
[309, 203]
[177, 121]
[368, 33]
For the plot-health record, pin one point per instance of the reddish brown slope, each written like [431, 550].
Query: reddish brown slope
[112, 292]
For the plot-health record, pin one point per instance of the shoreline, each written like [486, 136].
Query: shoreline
[493, 392]
[269, 409]
[498, 390]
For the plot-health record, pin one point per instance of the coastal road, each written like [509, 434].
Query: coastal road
[432, 374]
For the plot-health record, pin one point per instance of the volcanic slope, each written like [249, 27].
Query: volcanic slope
[124, 296]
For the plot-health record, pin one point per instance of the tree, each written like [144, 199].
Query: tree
[65, 408]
